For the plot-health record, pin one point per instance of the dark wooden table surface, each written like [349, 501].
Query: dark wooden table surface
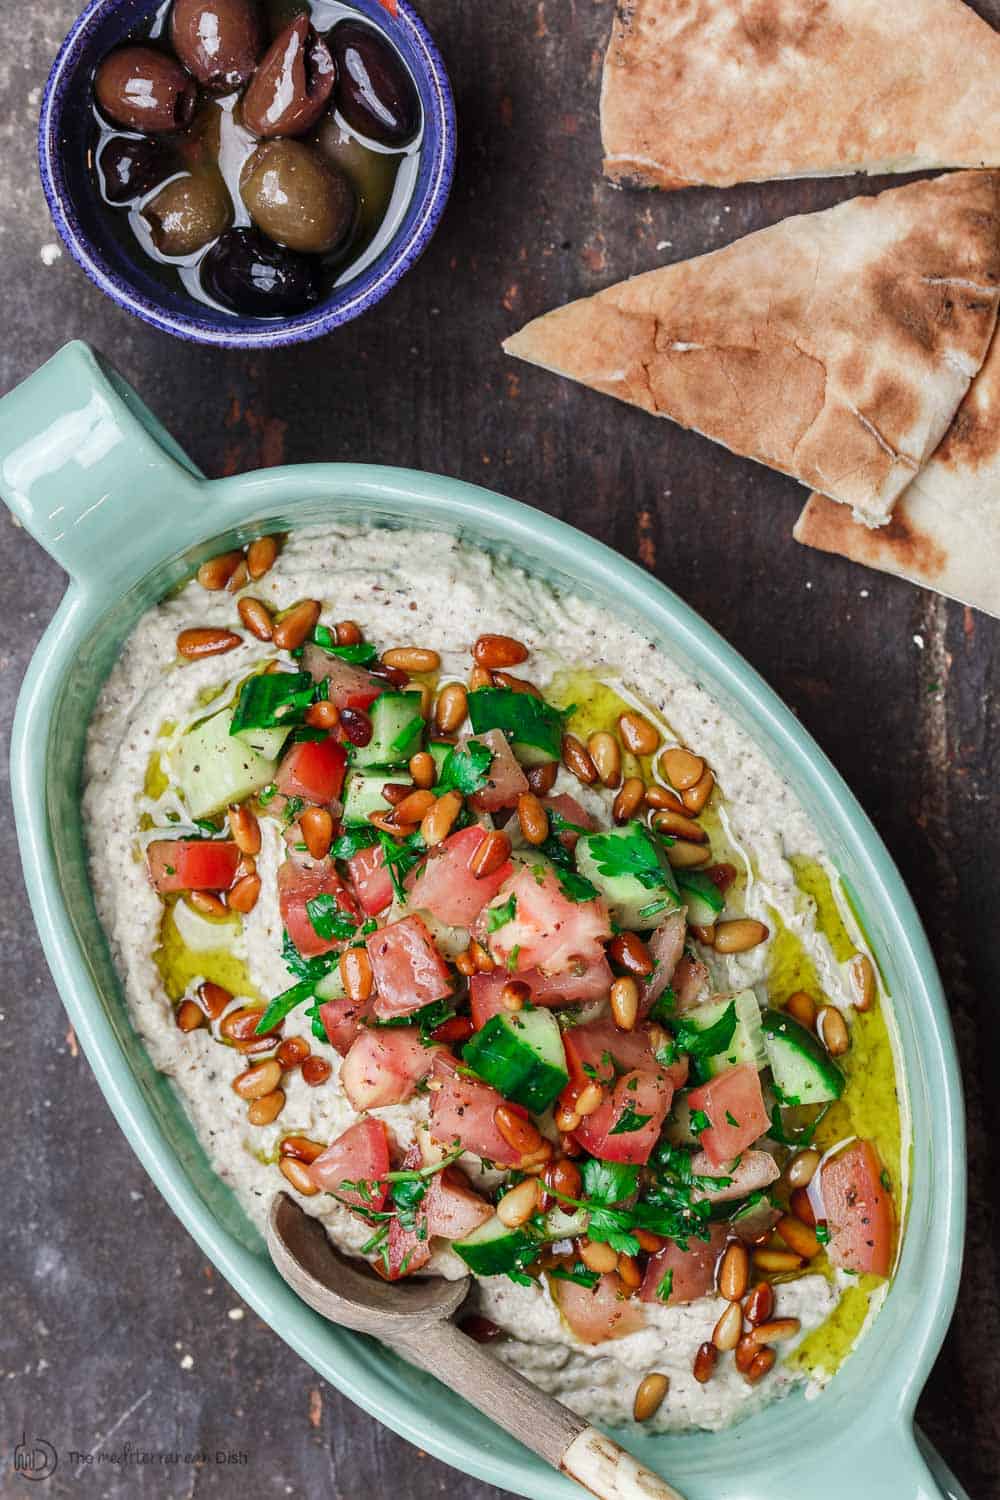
[115, 1330]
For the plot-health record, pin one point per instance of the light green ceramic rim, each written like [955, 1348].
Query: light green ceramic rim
[866, 1414]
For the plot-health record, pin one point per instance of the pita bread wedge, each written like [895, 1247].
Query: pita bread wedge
[945, 531]
[724, 91]
[835, 346]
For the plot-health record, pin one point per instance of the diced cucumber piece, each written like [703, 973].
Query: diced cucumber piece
[493, 1249]
[533, 726]
[331, 986]
[701, 896]
[630, 869]
[522, 1056]
[803, 1070]
[363, 794]
[677, 1127]
[397, 727]
[747, 1043]
[439, 751]
[213, 767]
[266, 742]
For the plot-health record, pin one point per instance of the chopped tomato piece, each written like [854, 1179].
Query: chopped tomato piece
[734, 1105]
[569, 988]
[444, 884]
[191, 864]
[858, 1210]
[548, 931]
[505, 779]
[598, 1313]
[567, 807]
[407, 1250]
[370, 880]
[384, 1066]
[298, 884]
[598, 1050]
[754, 1171]
[627, 1125]
[313, 770]
[409, 971]
[360, 1154]
[347, 686]
[451, 1207]
[342, 1020]
[691, 983]
[691, 1271]
[666, 946]
[462, 1111]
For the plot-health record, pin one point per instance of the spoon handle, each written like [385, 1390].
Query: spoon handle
[543, 1424]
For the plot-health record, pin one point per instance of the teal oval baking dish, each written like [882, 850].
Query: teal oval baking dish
[111, 496]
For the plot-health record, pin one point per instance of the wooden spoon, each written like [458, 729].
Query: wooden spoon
[414, 1317]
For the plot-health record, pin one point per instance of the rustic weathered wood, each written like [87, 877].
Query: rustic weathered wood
[113, 1323]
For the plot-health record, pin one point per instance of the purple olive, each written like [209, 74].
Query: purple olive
[293, 84]
[375, 93]
[130, 168]
[219, 41]
[250, 274]
[144, 89]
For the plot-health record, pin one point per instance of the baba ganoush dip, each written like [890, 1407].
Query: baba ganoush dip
[453, 907]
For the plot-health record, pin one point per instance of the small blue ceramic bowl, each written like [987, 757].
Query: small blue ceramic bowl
[64, 138]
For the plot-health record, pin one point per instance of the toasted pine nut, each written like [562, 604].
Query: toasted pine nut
[576, 758]
[465, 963]
[412, 659]
[729, 1329]
[356, 974]
[315, 1071]
[515, 995]
[323, 715]
[240, 1028]
[831, 1028]
[348, 633]
[800, 1204]
[239, 579]
[189, 1016]
[301, 1147]
[256, 617]
[244, 827]
[243, 896]
[261, 555]
[217, 571]
[451, 708]
[734, 1272]
[316, 824]
[423, 770]
[482, 960]
[722, 876]
[541, 779]
[624, 1004]
[684, 856]
[519, 1133]
[775, 1331]
[740, 935]
[493, 851]
[292, 629]
[802, 1168]
[479, 678]
[207, 904]
[567, 1120]
[414, 806]
[516, 684]
[759, 1304]
[629, 951]
[659, 797]
[705, 935]
[695, 797]
[396, 792]
[386, 822]
[649, 1396]
[776, 1261]
[293, 1052]
[590, 1097]
[437, 824]
[206, 641]
[597, 1256]
[606, 753]
[704, 1363]
[862, 972]
[532, 818]
[563, 1176]
[629, 799]
[746, 1352]
[762, 1362]
[258, 1081]
[492, 651]
[798, 1236]
[679, 827]
[638, 734]
[265, 1111]
[802, 1008]
[516, 1207]
[297, 1174]
[214, 999]
[681, 768]
[629, 1272]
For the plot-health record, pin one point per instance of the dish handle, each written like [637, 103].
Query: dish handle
[90, 472]
[880, 1462]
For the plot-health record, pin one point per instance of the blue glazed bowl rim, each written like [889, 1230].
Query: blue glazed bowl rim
[374, 284]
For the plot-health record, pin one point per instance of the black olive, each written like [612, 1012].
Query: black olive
[250, 274]
[290, 89]
[144, 89]
[375, 93]
[219, 41]
[130, 168]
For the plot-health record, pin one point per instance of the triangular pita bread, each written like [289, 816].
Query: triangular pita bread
[724, 91]
[835, 346]
[945, 531]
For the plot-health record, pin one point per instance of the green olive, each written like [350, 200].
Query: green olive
[373, 173]
[293, 196]
[189, 213]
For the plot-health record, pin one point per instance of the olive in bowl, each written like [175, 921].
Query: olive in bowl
[212, 166]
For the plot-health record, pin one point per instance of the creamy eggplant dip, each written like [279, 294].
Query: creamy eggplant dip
[453, 907]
